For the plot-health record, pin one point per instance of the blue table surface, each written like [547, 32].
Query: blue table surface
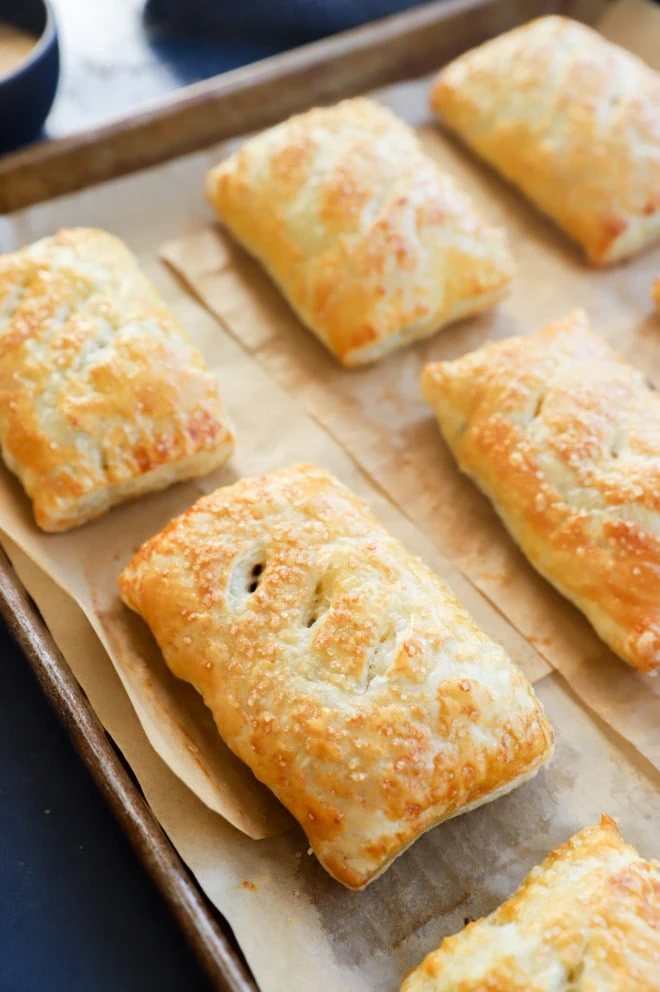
[78, 911]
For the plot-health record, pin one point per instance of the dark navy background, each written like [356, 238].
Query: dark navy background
[77, 912]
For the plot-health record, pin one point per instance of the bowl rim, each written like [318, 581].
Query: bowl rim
[45, 39]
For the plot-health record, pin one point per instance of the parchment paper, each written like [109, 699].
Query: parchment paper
[379, 416]
[299, 929]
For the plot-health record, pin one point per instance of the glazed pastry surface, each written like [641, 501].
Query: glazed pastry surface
[371, 243]
[102, 396]
[573, 121]
[336, 665]
[564, 437]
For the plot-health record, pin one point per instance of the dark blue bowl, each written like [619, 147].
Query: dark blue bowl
[28, 91]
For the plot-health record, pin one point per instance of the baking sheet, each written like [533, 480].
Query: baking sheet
[272, 432]
[297, 927]
[378, 414]
[321, 933]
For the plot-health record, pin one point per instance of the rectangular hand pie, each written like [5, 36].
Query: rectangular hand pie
[587, 919]
[573, 121]
[336, 665]
[564, 438]
[371, 243]
[102, 397]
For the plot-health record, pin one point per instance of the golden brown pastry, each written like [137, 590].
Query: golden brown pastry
[586, 920]
[336, 665]
[564, 438]
[371, 243]
[655, 293]
[573, 121]
[102, 397]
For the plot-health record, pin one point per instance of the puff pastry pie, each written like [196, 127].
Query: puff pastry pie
[102, 397]
[564, 438]
[586, 920]
[372, 244]
[573, 121]
[336, 665]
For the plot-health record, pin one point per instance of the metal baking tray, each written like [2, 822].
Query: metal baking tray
[404, 46]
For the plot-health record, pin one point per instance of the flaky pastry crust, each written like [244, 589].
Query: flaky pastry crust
[372, 244]
[573, 121]
[336, 665]
[586, 920]
[102, 397]
[564, 437]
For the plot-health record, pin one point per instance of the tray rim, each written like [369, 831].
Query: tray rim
[258, 94]
[24, 180]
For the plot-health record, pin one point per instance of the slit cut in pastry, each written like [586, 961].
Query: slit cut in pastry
[102, 397]
[564, 437]
[336, 665]
[587, 919]
[573, 121]
[371, 243]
